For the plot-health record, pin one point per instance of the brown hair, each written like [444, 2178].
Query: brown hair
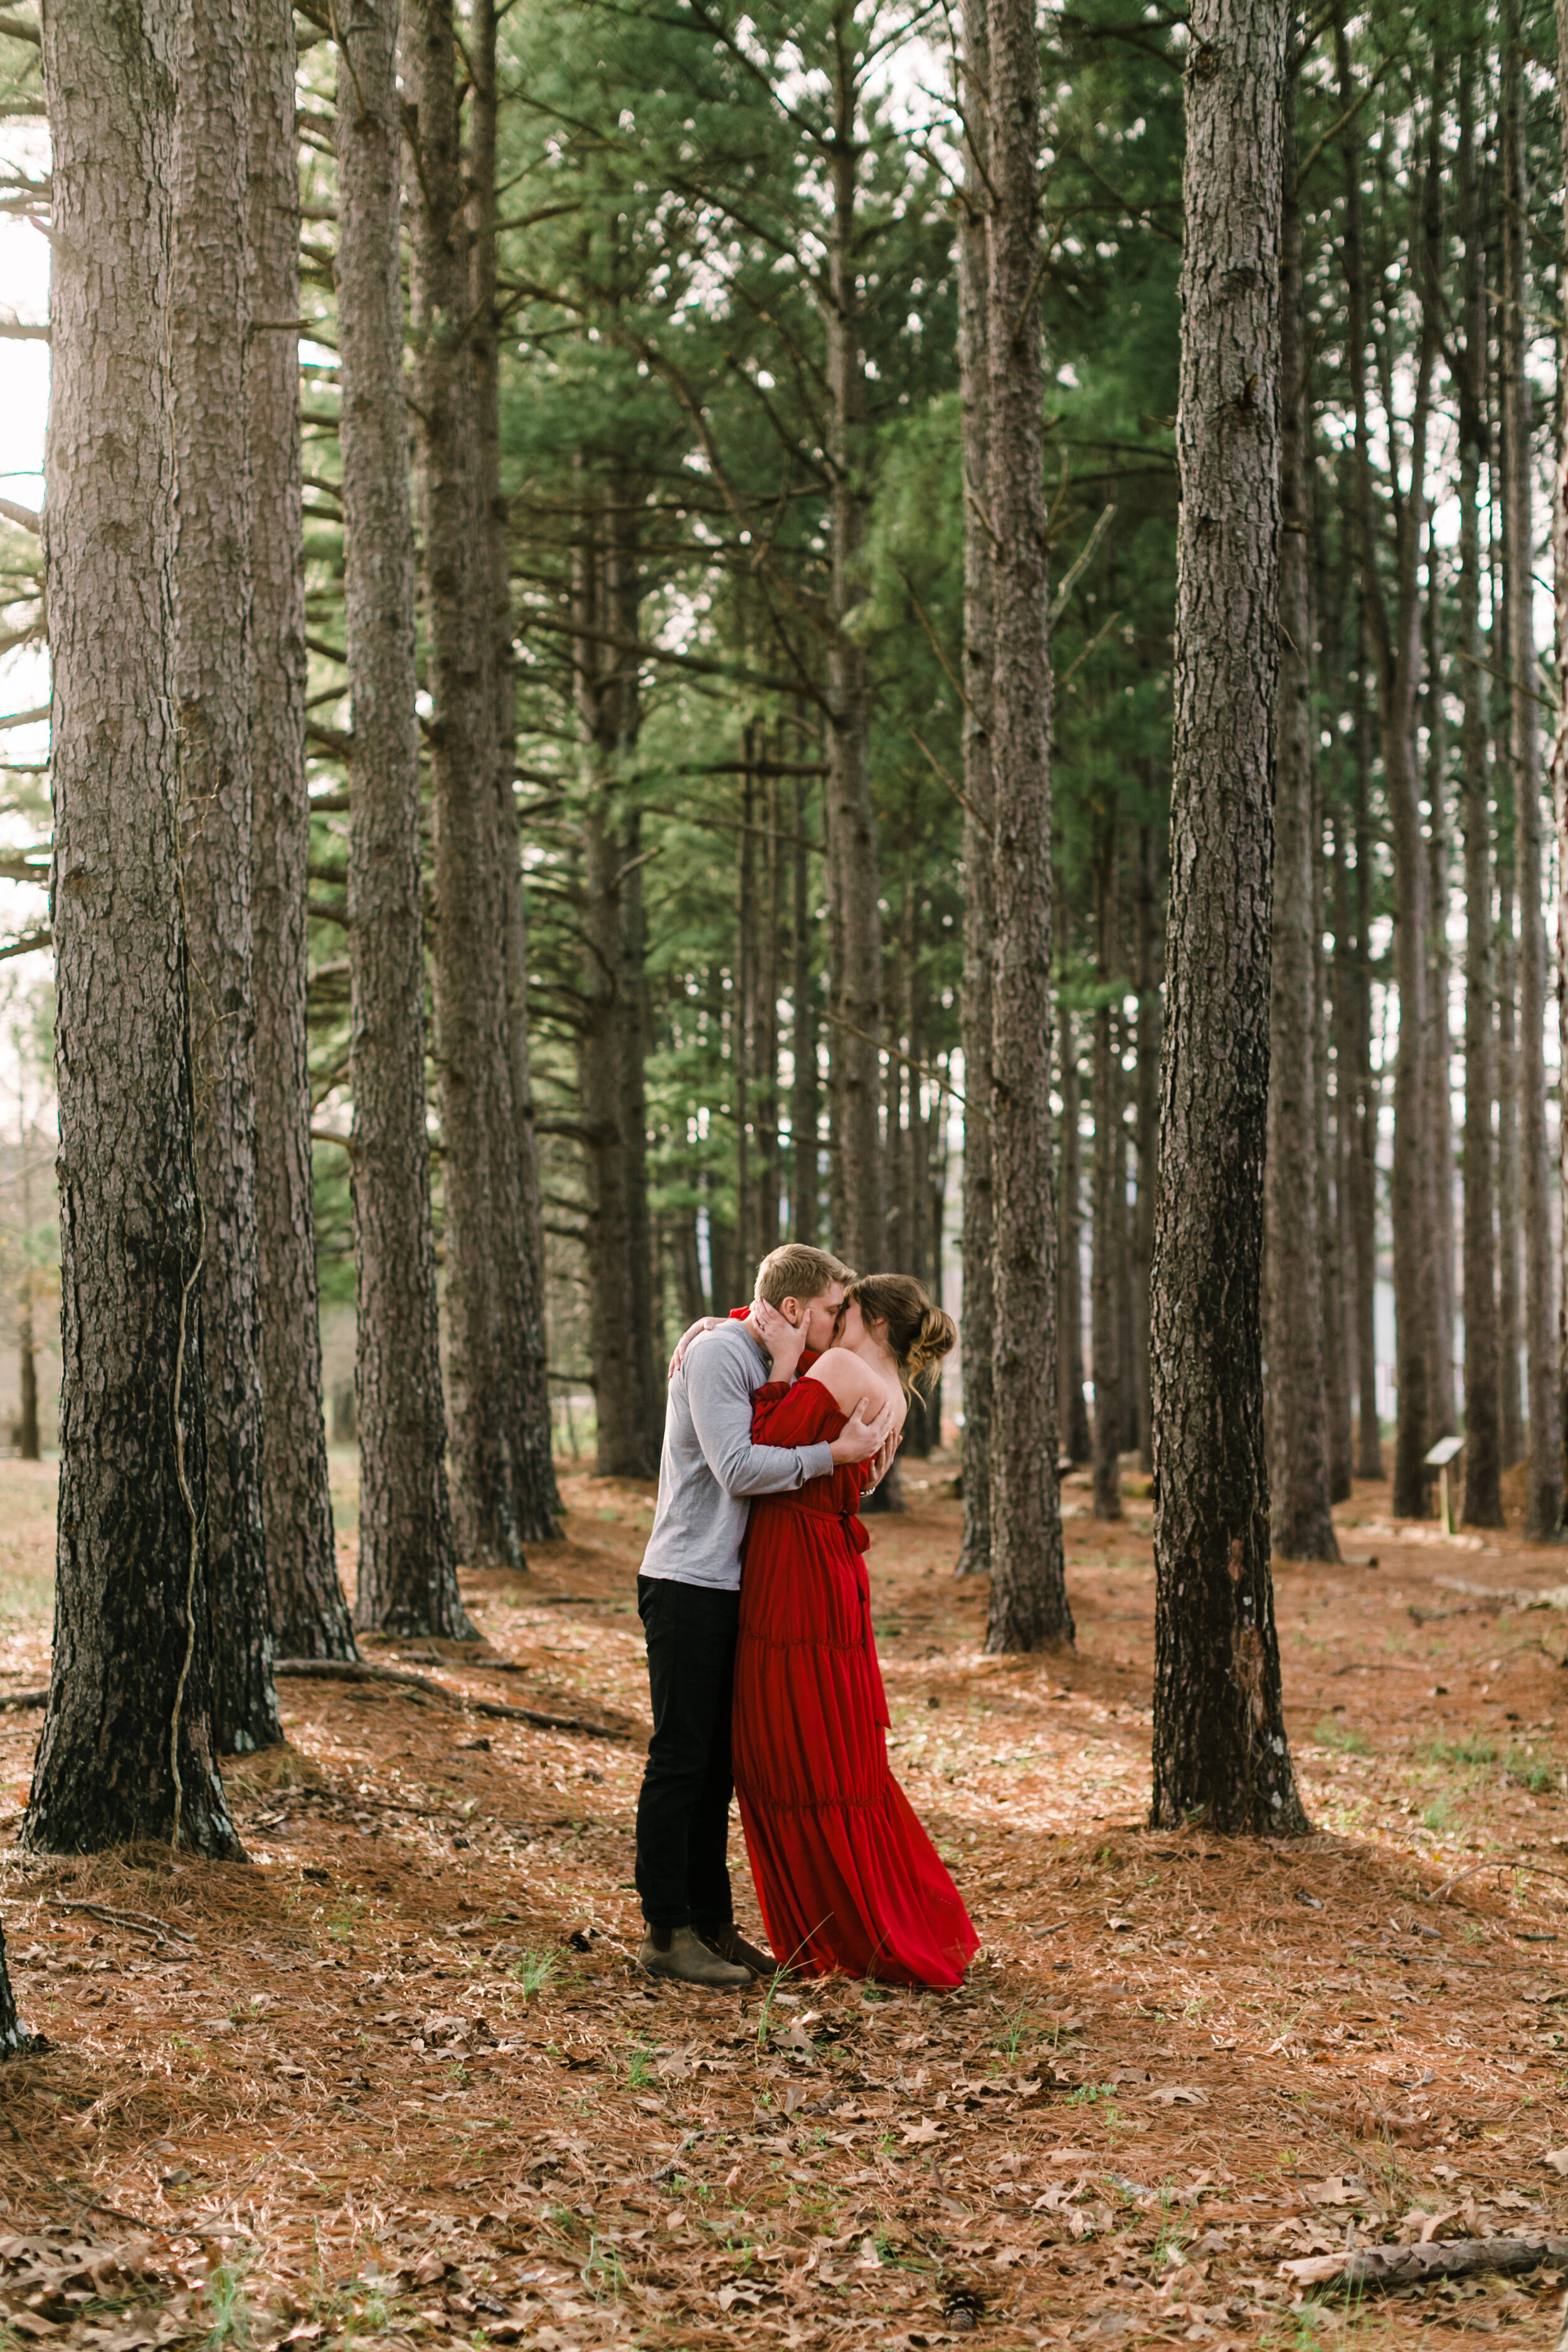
[798, 1271]
[919, 1333]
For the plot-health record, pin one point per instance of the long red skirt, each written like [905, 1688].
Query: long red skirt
[848, 1879]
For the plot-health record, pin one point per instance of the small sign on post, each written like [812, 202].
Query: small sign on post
[1447, 1450]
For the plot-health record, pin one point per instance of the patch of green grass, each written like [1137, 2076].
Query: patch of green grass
[1524, 1771]
[1010, 2038]
[231, 2305]
[1343, 1735]
[533, 1971]
[1474, 1753]
[639, 2069]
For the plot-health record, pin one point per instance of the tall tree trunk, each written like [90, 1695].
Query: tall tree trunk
[126, 1750]
[1397, 639]
[1510, 1396]
[1146, 978]
[1219, 1743]
[310, 1614]
[976, 1330]
[1440, 1047]
[208, 332]
[1072, 1410]
[1029, 1608]
[407, 1573]
[1543, 1492]
[853, 888]
[1483, 1459]
[1361, 1173]
[519, 1228]
[745, 997]
[467, 928]
[1303, 1524]
[27, 1433]
[1110, 1183]
[802, 1114]
[1331, 1223]
[610, 1034]
[1560, 744]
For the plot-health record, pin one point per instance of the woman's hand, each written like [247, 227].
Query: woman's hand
[781, 1340]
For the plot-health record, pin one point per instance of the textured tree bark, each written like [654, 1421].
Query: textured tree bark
[208, 332]
[1396, 640]
[976, 1330]
[1110, 1184]
[310, 1614]
[1544, 1488]
[11, 2036]
[853, 885]
[1219, 1746]
[1303, 1525]
[1332, 1226]
[126, 1749]
[1559, 753]
[1483, 1459]
[519, 1228]
[1029, 1609]
[1510, 1395]
[476, 1227]
[407, 1573]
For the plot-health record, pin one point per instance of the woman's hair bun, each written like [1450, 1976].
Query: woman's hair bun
[919, 1333]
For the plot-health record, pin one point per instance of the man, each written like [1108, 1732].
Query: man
[689, 1597]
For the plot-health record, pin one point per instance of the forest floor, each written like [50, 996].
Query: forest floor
[397, 2077]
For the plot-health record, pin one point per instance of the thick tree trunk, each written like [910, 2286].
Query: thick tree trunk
[1219, 1744]
[208, 332]
[1510, 1395]
[1559, 747]
[519, 1226]
[1544, 1491]
[976, 1330]
[1110, 1184]
[1303, 1525]
[1029, 1608]
[310, 1614]
[126, 1749]
[407, 1575]
[853, 885]
[467, 927]
[1483, 1457]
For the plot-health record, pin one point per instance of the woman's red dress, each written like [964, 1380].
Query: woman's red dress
[848, 1879]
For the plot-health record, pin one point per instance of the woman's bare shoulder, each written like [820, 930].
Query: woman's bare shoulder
[847, 1377]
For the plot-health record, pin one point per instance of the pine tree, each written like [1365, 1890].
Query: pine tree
[126, 1750]
[1219, 1741]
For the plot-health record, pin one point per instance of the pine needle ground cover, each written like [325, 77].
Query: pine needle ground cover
[397, 2078]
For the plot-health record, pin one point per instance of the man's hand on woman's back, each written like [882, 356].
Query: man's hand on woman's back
[865, 1432]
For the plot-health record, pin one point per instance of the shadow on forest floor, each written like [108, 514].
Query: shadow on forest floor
[399, 2079]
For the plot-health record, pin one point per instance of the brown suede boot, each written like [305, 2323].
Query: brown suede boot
[680, 1954]
[731, 1945]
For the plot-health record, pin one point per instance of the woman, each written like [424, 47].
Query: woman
[846, 1877]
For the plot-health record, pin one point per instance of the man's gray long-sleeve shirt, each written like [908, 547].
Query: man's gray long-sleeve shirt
[710, 1468]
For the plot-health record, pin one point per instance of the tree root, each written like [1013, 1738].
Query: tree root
[350, 1670]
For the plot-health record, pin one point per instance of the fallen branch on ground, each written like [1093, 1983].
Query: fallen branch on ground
[1411, 2265]
[351, 1670]
[25, 1699]
[141, 1921]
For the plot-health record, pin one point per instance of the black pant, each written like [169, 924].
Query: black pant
[683, 1811]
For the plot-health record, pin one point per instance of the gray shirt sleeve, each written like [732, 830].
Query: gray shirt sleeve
[720, 1400]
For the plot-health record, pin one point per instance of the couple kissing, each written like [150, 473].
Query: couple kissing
[761, 1665]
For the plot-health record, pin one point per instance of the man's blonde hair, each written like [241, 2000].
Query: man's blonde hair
[798, 1271]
